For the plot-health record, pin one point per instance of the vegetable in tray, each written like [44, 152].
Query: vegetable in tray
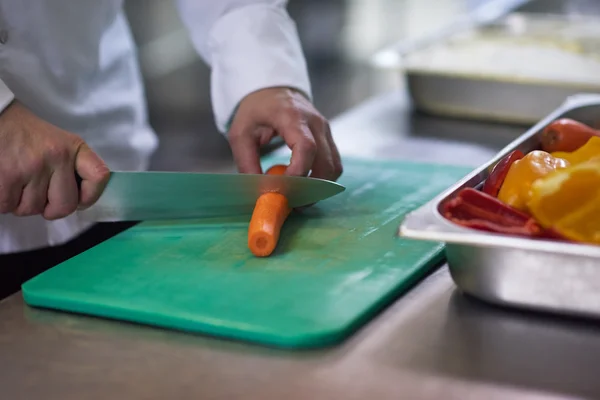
[552, 193]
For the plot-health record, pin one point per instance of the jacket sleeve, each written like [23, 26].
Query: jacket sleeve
[249, 45]
[6, 96]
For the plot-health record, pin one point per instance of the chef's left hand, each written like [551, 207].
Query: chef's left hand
[285, 112]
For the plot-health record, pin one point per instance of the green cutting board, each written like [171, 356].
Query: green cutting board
[336, 265]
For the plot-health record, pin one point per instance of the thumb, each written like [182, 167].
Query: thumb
[94, 174]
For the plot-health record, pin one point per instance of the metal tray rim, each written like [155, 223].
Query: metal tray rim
[426, 223]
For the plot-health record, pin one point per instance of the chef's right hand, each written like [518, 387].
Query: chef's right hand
[38, 162]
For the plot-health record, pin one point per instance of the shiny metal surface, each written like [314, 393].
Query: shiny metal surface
[142, 196]
[538, 274]
[432, 343]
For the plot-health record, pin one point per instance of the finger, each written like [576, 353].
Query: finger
[245, 148]
[323, 166]
[62, 194]
[94, 174]
[33, 198]
[10, 194]
[338, 167]
[300, 140]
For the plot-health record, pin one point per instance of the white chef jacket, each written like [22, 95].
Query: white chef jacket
[73, 63]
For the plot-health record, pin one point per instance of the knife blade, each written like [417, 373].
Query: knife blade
[142, 196]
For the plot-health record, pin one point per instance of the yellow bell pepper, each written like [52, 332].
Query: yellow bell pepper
[516, 188]
[568, 200]
[587, 152]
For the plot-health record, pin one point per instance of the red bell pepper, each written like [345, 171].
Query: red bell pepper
[477, 210]
[494, 181]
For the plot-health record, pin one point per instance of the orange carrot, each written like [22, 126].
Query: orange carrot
[277, 169]
[270, 212]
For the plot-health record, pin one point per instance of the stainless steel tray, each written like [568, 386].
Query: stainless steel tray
[517, 69]
[543, 275]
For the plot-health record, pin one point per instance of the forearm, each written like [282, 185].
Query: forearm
[249, 44]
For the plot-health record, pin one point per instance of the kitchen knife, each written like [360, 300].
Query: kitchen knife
[142, 196]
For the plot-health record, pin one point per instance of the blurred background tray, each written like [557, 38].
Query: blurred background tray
[510, 66]
[515, 70]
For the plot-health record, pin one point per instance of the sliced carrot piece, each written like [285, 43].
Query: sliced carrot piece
[270, 213]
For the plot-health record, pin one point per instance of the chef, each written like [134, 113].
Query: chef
[72, 100]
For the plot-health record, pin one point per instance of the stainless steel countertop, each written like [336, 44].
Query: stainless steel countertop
[432, 343]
